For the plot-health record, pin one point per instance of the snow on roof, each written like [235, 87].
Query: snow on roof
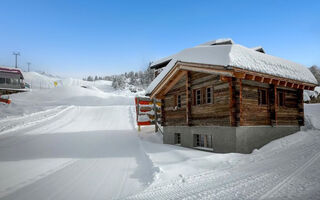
[235, 55]
[10, 70]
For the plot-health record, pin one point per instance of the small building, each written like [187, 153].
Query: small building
[224, 97]
[11, 80]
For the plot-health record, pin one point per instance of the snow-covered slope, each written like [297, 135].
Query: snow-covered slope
[46, 81]
[69, 91]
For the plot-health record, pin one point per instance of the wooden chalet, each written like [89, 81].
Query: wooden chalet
[224, 97]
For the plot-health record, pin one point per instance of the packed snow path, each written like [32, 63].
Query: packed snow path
[79, 153]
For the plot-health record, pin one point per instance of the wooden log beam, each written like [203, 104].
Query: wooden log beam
[249, 77]
[275, 105]
[163, 113]
[300, 107]
[275, 82]
[289, 84]
[267, 80]
[188, 98]
[262, 77]
[241, 106]
[240, 75]
[282, 83]
[225, 78]
[232, 103]
[258, 78]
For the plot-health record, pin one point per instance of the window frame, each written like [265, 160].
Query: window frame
[260, 97]
[177, 138]
[178, 103]
[283, 102]
[196, 96]
[203, 141]
[211, 95]
[4, 80]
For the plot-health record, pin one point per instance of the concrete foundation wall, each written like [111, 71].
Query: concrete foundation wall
[250, 138]
[242, 139]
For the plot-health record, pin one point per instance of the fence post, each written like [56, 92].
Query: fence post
[138, 111]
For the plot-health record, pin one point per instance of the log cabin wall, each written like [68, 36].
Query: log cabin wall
[283, 108]
[254, 112]
[215, 112]
[234, 103]
[174, 116]
[290, 110]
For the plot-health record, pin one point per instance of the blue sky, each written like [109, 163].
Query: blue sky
[79, 38]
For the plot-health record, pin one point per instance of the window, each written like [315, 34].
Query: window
[179, 101]
[15, 81]
[281, 98]
[262, 97]
[209, 95]
[177, 138]
[203, 140]
[198, 97]
[2, 80]
[8, 81]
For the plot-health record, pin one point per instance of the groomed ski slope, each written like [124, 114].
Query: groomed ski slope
[82, 153]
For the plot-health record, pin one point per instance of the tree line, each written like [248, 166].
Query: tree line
[140, 79]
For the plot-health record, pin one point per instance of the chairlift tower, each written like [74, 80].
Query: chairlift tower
[16, 54]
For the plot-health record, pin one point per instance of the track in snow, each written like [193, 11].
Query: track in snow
[273, 177]
[82, 153]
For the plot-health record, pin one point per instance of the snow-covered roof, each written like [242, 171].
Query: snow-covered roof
[11, 70]
[235, 55]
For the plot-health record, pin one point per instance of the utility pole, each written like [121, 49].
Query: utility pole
[29, 63]
[16, 54]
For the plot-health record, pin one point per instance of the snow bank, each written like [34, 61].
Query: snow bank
[308, 93]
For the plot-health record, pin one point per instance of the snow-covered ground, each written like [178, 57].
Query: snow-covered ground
[69, 91]
[72, 142]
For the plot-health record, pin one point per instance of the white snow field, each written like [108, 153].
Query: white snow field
[81, 143]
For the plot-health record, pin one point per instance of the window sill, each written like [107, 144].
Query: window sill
[204, 148]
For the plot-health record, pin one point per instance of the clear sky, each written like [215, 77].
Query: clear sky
[79, 38]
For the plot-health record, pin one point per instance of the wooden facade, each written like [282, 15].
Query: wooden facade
[198, 98]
